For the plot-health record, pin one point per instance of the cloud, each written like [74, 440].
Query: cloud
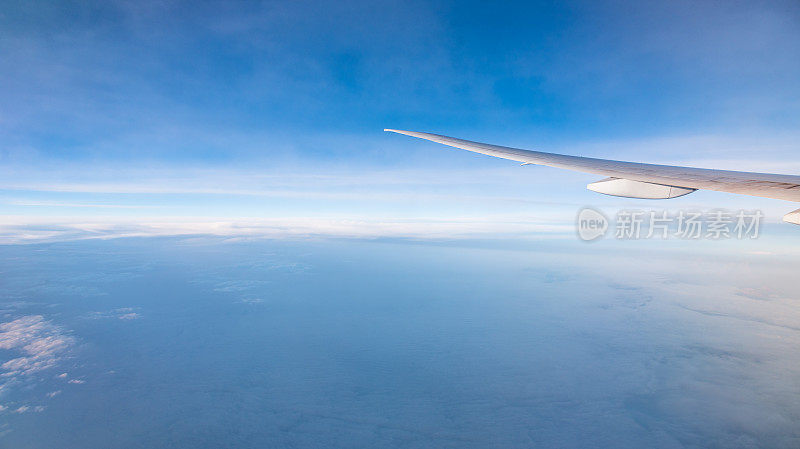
[39, 343]
[286, 227]
[762, 293]
[266, 72]
[29, 409]
[124, 313]
[239, 285]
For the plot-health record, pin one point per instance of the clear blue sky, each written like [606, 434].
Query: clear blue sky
[189, 109]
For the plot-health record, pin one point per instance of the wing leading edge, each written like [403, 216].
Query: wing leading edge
[684, 179]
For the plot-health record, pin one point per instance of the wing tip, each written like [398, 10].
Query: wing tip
[411, 133]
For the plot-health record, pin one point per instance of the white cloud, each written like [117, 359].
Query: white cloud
[29, 409]
[39, 342]
[38, 345]
[124, 313]
[38, 230]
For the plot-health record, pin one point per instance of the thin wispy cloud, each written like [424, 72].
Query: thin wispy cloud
[431, 228]
[29, 409]
[123, 313]
[225, 82]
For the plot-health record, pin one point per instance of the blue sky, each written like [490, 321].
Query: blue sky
[118, 113]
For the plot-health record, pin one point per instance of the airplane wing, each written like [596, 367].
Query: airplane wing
[638, 180]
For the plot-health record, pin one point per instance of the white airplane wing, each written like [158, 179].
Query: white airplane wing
[638, 180]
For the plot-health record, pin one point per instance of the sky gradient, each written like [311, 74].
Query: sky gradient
[124, 113]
